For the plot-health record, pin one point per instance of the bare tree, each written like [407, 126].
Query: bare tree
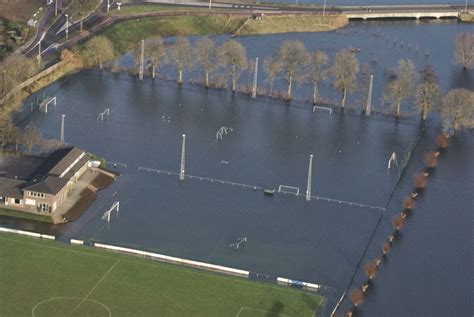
[464, 50]
[13, 71]
[398, 222]
[293, 56]
[371, 269]
[156, 53]
[81, 8]
[272, 67]
[97, 50]
[7, 129]
[180, 55]
[457, 109]
[31, 137]
[427, 94]
[420, 180]
[344, 71]
[317, 71]
[402, 85]
[206, 57]
[234, 55]
[442, 140]
[430, 159]
[357, 297]
[409, 203]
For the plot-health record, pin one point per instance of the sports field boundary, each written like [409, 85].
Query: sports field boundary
[28, 233]
[311, 287]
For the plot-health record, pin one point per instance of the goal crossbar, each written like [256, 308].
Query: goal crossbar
[289, 190]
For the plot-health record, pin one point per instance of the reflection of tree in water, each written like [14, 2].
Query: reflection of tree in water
[462, 78]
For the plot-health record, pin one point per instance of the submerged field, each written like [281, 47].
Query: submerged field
[45, 278]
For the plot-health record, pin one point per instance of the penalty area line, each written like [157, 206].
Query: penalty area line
[265, 312]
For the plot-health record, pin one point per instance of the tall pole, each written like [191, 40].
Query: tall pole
[67, 27]
[254, 88]
[181, 168]
[142, 60]
[368, 108]
[39, 53]
[210, 4]
[56, 9]
[324, 8]
[62, 128]
[310, 171]
[108, 6]
[465, 7]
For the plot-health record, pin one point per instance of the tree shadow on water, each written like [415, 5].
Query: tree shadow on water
[462, 78]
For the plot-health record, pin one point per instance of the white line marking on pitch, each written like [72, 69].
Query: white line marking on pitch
[267, 312]
[95, 286]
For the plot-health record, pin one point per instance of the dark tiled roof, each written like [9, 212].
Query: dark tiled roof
[50, 185]
[66, 161]
[46, 177]
[10, 187]
[54, 161]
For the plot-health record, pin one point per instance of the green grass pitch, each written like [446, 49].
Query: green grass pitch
[47, 278]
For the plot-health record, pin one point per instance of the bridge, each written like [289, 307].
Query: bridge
[405, 12]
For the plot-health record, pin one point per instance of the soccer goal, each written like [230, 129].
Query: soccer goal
[240, 241]
[289, 190]
[108, 214]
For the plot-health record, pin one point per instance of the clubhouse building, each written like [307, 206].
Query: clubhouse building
[44, 185]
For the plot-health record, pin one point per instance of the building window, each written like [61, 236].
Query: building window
[17, 201]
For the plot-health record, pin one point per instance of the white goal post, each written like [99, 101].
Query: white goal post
[116, 206]
[289, 190]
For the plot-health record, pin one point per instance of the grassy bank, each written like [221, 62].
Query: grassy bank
[153, 8]
[24, 215]
[125, 34]
[466, 17]
[93, 282]
[288, 24]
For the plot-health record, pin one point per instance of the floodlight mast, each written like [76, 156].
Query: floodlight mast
[310, 171]
[182, 166]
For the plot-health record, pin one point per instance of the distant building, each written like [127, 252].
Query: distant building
[41, 185]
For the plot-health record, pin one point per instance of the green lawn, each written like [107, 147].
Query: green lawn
[25, 215]
[47, 278]
[127, 33]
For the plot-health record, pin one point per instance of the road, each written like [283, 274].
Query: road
[52, 30]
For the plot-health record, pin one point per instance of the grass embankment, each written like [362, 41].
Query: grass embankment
[466, 17]
[289, 24]
[125, 34]
[24, 215]
[153, 8]
[48, 278]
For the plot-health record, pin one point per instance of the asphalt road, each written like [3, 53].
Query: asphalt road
[52, 30]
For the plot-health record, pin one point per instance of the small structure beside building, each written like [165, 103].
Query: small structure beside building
[48, 186]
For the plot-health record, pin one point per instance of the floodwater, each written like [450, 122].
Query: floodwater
[268, 144]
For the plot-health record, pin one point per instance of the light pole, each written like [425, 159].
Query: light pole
[39, 52]
[324, 8]
[56, 9]
[465, 7]
[210, 4]
[67, 27]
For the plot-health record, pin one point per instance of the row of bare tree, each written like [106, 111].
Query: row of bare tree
[295, 63]
[420, 181]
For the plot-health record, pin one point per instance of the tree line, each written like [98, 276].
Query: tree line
[224, 63]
